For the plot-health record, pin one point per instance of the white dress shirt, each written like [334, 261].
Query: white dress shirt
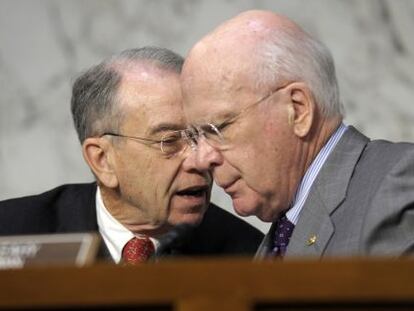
[114, 234]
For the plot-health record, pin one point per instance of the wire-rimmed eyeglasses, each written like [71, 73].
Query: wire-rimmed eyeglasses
[170, 144]
[175, 142]
[218, 135]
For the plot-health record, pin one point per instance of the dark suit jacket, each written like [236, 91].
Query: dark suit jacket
[71, 208]
[361, 203]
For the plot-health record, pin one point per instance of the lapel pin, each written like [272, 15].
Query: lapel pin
[311, 240]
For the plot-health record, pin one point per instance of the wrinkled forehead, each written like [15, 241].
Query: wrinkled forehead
[220, 55]
[148, 99]
[215, 79]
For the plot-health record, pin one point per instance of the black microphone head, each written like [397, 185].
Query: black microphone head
[174, 237]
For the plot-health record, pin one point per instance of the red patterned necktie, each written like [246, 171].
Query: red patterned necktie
[137, 250]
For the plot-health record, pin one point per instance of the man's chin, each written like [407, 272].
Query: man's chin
[246, 207]
[193, 218]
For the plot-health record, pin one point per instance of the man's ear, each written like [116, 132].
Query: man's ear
[97, 154]
[301, 111]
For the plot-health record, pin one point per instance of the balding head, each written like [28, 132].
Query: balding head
[263, 95]
[94, 93]
[266, 50]
[253, 25]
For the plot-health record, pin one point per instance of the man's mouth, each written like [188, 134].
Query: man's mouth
[195, 191]
[227, 187]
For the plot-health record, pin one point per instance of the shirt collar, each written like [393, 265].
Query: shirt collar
[311, 173]
[114, 234]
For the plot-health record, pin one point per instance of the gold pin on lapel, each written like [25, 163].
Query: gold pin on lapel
[311, 240]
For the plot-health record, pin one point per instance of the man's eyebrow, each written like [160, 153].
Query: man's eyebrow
[164, 127]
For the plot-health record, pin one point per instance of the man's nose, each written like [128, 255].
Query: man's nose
[204, 157]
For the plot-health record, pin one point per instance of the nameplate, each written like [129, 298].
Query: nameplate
[77, 249]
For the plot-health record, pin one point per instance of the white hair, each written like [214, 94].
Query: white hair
[288, 55]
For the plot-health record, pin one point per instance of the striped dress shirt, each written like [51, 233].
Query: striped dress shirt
[306, 183]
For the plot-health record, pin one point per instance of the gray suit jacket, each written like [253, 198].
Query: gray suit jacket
[361, 203]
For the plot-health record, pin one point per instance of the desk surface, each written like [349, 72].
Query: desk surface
[208, 284]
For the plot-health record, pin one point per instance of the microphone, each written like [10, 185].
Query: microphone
[173, 238]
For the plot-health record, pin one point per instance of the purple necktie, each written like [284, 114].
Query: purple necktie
[282, 235]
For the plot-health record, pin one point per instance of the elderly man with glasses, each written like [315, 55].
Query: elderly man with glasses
[128, 115]
[263, 100]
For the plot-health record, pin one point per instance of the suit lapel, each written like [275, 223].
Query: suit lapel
[315, 228]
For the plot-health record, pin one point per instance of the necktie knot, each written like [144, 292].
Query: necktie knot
[137, 250]
[283, 232]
